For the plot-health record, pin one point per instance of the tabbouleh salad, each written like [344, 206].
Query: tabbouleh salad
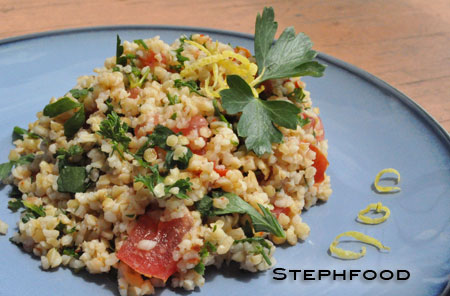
[173, 158]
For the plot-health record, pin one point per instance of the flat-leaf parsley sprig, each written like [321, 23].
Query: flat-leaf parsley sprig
[112, 128]
[290, 56]
[256, 124]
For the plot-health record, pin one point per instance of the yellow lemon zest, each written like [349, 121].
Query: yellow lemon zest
[199, 46]
[345, 254]
[228, 66]
[386, 188]
[377, 207]
[201, 63]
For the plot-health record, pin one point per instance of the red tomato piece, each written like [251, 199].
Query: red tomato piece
[134, 92]
[149, 60]
[320, 163]
[317, 126]
[220, 169]
[277, 211]
[157, 262]
[196, 123]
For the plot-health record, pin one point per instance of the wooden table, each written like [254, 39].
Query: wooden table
[404, 42]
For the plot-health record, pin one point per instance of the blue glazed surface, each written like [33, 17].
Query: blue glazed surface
[369, 125]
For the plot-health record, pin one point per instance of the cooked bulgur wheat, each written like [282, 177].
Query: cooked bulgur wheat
[86, 229]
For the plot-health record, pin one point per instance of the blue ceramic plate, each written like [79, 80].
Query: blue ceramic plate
[369, 125]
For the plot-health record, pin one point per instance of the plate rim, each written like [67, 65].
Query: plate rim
[409, 103]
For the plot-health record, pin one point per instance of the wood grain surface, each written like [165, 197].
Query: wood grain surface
[404, 42]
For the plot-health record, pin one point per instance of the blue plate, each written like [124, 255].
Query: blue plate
[369, 125]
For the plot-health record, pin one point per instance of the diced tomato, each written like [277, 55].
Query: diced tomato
[157, 262]
[242, 50]
[317, 126]
[149, 59]
[320, 163]
[220, 169]
[277, 211]
[196, 123]
[134, 92]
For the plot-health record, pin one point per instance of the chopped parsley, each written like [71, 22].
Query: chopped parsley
[80, 94]
[259, 244]
[265, 222]
[15, 204]
[151, 181]
[74, 123]
[73, 179]
[204, 252]
[174, 116]
[297, 95]
[5, 168]
[18, 133]
[141, 43]
[258, 117]
[191, 84]
[112, 128]
[71, 252]
[32, 211]
[173, 99]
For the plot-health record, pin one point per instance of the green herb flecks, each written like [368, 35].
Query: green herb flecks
[297, 95]
[261, 222]
[18, 133]
[290, 56]
[5, 168]
[151, 181]
[191, 84]
[204, 252]
[141, 43]
[74, 123]
[173, 99]
[259, 244]
[112, 128]
[258, 117]
[73, 179]
[80, 94]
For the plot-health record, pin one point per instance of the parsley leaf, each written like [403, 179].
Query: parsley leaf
[15, 204]
[297, 95]
[258, 116]
[173, 99]
[120, 60]
[80, 93]
[290, 56]
[72, 179]
[191, 84]
[182, 162]
[183, 186]
[259, 244]
[74, 123]
[141, 43]
[203, 253]
[19, 132]
[63, 105]
[303, 121]
[265, 222]
[204, 206]
[5, 168]
[112, 128]
[37, 210]
[71, 252]
[150, 181]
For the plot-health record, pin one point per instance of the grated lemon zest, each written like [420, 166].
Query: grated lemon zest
[378, 207]
[345, 254]
[226, 60]
[201, 63]
[199, 46]
[386, 188]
